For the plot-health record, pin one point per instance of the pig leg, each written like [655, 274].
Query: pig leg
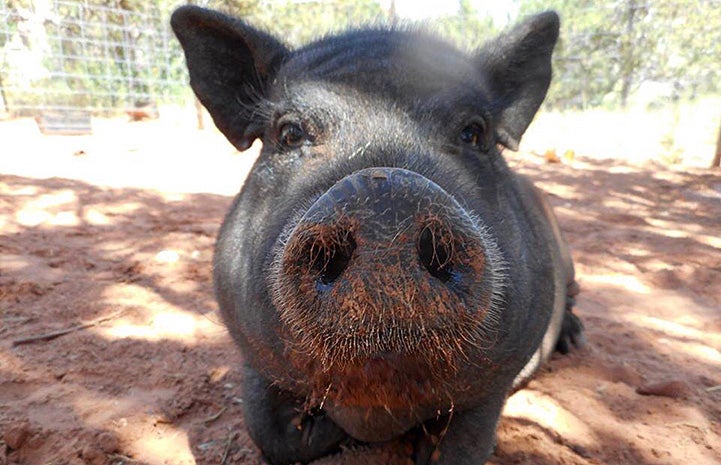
[280, 425]
[460, 438]
[571, 327]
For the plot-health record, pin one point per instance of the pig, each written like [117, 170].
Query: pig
[382, 270]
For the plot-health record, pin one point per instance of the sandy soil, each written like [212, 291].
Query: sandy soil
[111, 241]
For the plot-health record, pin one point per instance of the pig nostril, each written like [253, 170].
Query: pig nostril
[435, 251]
[330, 258]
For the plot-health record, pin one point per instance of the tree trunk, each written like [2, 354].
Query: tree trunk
[628, 54]
[717, 158]
[3, 99]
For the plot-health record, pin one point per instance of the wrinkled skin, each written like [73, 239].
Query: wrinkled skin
[382, 270]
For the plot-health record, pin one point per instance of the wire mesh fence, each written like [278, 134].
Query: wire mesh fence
[626, 61]
[70, 56]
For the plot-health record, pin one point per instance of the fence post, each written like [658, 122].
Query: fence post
[717, 158]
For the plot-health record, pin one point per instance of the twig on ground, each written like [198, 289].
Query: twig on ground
[19, 320]
[215, 416]
[231, 435]
[714, 388]
[62, 332]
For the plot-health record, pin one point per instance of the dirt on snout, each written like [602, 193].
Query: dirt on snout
[112, 350]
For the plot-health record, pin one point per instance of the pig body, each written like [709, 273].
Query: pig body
[382, 270]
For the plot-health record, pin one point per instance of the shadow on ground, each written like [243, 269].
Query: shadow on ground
[158, 381]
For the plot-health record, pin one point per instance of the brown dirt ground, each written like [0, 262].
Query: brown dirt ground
[153, 378]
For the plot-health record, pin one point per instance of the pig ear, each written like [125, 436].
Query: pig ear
[230, 64]
[518, 67]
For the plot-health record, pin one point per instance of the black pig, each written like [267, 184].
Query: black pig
[382, 270]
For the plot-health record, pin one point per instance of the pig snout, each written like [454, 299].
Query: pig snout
[394, 213]
[387, 268]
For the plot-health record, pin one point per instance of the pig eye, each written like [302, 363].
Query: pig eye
[291, 135]
[474, 134]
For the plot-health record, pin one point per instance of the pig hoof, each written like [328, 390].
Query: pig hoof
[282, 426]
[319, 434]
[571, 332]
[305, 438]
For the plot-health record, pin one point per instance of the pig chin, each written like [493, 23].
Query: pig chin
[384, 287]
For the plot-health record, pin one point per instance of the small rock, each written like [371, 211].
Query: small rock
[708, 382]
[551, 156]
[167, 256]
[92, 455]
[107, 442]
[666, 279]
[624, 374]
[16, 435]
[580, 450]
[673, 389]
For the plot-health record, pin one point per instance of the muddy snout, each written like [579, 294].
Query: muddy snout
[390, 214]
[383, 261]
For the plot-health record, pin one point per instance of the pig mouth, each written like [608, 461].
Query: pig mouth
[386, 281]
